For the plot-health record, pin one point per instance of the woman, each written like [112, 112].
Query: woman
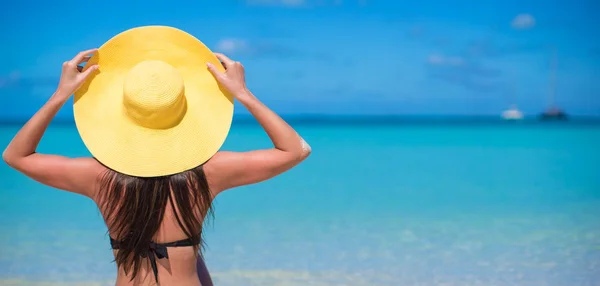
[155, 216]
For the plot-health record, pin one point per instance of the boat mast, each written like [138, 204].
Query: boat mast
[552, 86]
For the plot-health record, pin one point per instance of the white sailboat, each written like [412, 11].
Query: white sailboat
[513, 113]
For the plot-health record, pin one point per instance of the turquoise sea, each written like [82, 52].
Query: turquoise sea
[401, 203]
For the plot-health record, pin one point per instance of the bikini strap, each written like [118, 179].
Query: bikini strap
[157, 250]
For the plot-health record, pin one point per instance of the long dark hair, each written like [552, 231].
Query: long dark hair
[134, 208]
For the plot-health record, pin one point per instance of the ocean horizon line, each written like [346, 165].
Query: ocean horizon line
[344, 119]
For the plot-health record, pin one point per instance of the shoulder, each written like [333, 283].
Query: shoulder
[213, 169]
[89, 175]
[88, 167]
[93, 167]
[219, 159]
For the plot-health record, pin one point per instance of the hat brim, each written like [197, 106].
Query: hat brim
[120, 144]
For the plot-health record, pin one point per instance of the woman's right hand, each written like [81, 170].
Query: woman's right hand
[233, 79]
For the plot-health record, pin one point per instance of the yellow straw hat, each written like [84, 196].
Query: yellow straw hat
[152, 108]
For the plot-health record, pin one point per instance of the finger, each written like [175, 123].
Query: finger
[224, 59]
[217, 73]
[89, 71]
[81, 56]
[85, 59]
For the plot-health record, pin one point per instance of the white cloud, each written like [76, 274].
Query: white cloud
[435, 59]
[232, 46]
[441, 60]
[523, 21]
[293, 3]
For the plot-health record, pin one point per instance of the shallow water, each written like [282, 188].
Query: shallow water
[375, 204]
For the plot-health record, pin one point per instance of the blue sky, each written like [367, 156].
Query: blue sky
[336, 56]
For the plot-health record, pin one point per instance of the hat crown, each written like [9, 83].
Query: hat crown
[154, 95]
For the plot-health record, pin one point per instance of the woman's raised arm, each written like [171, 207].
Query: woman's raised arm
[69, 174]
[232, 169]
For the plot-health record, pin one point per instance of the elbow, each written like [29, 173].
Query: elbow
[306, 151]
[296, 158]
[6, 158]
[9, 159]
[301, 157]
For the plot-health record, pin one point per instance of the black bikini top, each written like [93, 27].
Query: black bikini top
[157, 250]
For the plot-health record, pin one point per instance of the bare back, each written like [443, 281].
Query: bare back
[178, 269]
[181, 266]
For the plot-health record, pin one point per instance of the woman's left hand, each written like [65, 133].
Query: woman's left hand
[71, 77]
